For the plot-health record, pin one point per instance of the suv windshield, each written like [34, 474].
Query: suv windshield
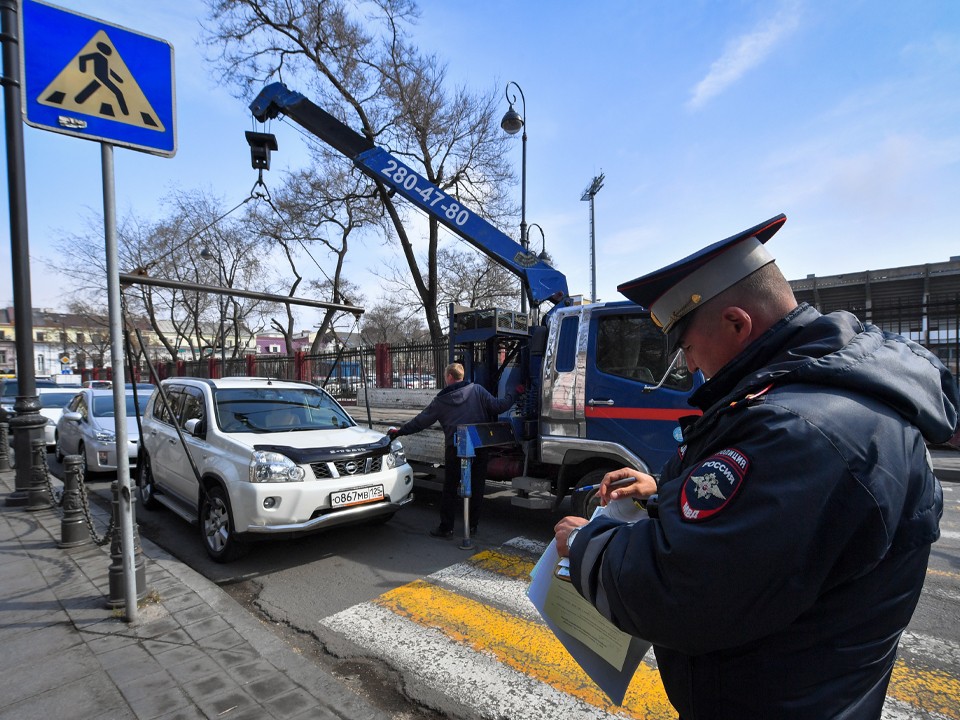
[270, 409]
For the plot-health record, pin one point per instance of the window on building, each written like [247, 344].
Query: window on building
[79, 338]
[3, 335]
[41, 364]
[39, 337]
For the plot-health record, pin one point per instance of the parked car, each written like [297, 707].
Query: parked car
[274, 458]
[98, 384]
[53, 401]
[10, 388]
[87, 428]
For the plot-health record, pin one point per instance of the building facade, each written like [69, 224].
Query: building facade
[921, 302]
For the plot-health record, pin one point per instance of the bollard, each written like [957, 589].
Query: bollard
[5, 447]
[117, 596]
[38, 492]
[465, 490]
[73, 525]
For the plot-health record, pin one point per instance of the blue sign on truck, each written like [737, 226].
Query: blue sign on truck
[89, 78]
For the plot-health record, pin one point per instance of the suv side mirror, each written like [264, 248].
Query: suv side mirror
[72, 416]
[196, 427]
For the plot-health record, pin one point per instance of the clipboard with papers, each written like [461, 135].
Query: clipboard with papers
[609, 656]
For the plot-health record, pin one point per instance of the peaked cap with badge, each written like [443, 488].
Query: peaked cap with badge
[672, 292]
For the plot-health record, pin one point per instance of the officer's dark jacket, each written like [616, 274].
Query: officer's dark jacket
[460, 403]
[794, 526]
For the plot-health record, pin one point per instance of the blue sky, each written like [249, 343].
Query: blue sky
[705, 117]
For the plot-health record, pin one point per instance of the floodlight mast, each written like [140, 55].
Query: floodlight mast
[589, 194]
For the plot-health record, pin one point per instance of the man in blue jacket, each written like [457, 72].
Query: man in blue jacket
[788, 538]
[459, 403]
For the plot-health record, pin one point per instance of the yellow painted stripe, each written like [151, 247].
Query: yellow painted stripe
[943, 573]
[525, 646]
[926, 689]
[504, 564]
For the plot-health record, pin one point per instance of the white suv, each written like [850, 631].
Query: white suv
[266, 458]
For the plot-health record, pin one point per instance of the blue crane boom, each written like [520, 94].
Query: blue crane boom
[542, 282]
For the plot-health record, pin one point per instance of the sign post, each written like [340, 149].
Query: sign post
[98, 81]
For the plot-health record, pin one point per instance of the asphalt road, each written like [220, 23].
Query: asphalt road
[324, 592]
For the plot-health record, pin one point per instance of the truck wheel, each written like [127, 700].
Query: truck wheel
[216, 526]
[584, 503]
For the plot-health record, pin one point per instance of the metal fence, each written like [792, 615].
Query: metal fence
[343, 373]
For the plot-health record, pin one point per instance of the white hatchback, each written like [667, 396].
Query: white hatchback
[249, 458]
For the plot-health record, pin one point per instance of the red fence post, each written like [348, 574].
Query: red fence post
[384, 365]
[298, 365]
[251, 365]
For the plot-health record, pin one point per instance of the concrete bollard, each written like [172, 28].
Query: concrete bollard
[5, 447]
[73, 524]
[38, 492]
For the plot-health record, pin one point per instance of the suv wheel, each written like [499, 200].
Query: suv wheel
[57, 452]
[216, 526]
[146, 484]
[82, 452]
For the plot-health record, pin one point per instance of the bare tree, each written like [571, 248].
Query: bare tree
[358, 62]
[386, 322]
[170, 248]
[313, 216]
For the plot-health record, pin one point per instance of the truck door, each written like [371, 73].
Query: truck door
[630, 353]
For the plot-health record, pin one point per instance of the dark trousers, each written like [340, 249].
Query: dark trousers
[451, 504]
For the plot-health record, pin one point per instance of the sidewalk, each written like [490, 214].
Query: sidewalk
[946, 463]
[194, 652]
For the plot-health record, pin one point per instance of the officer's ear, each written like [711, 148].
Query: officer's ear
[736, 325]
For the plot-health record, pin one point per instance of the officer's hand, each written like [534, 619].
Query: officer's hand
[392, 433]
[626, 483]
[563, 529]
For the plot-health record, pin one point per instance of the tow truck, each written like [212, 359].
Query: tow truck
[603, 391]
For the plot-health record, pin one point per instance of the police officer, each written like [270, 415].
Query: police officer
[789, 535]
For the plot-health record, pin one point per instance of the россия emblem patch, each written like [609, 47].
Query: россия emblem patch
[711, 485]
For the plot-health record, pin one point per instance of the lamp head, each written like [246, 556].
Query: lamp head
[206, 254]
[512, 122]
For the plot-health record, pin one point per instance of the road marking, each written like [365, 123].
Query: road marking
[949, 535]
[468, 631]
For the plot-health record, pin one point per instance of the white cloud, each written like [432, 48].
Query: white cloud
[743, 54]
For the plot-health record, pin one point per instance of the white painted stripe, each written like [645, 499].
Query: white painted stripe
[481, 683]
[488, 587]
[944, 651]
[897, 710]
[949, 535]
[534, 547]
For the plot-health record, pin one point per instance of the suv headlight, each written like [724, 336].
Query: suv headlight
[105, 436]
[273, 467]
[396, 456]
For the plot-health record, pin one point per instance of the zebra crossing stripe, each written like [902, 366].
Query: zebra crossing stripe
[470, 632]
[526, 646]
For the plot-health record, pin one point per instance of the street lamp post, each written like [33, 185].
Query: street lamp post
[543, 242]
[513, 122]
[589, 194]
[208, 256]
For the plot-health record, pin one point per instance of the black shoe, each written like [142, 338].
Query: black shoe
[439, 532]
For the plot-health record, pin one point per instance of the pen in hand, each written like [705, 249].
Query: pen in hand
[615, 484]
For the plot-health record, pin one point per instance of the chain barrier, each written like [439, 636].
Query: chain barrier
[57, 495]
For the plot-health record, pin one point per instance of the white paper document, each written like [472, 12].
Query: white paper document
[609, 656]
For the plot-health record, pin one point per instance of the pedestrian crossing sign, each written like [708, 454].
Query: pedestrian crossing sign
[88, 78]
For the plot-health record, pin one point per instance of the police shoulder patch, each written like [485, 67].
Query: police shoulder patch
[712, 484]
